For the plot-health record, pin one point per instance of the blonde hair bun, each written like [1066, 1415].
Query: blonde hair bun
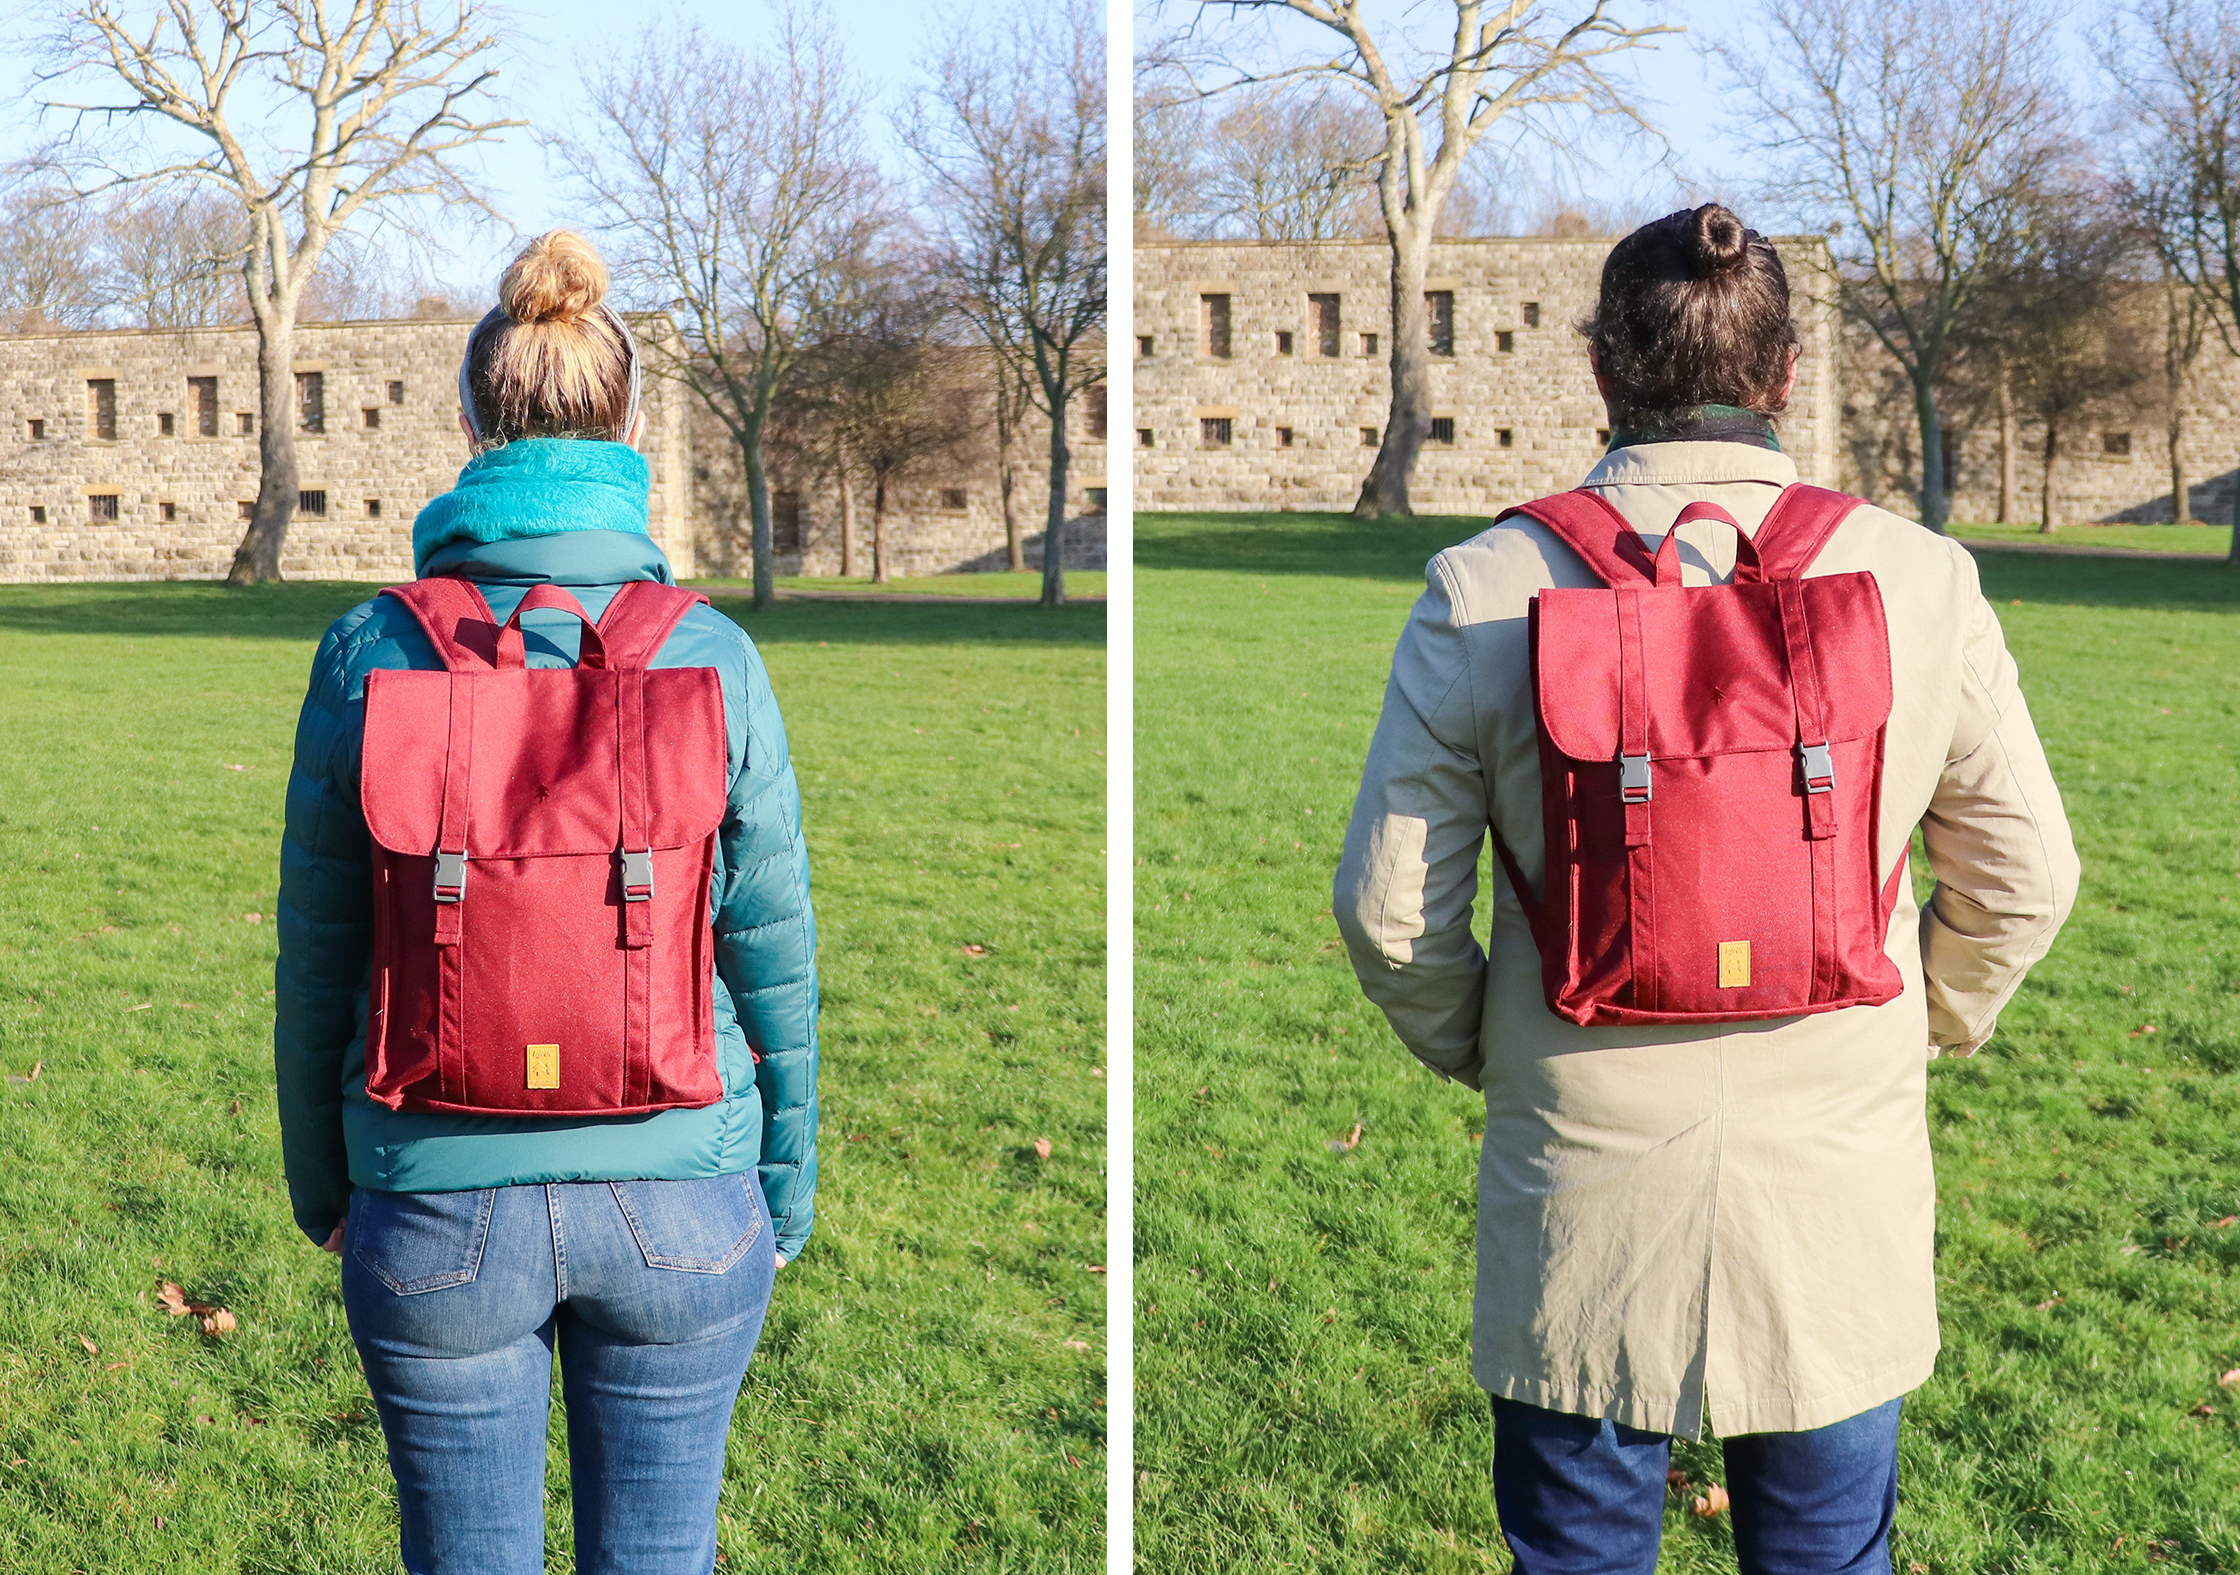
[557, 278]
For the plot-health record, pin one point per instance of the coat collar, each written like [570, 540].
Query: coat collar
[1691, 465]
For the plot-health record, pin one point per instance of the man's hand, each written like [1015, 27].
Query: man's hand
[333, 1243]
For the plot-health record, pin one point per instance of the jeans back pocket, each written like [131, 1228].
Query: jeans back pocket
[702, 1226]
[420, 1241]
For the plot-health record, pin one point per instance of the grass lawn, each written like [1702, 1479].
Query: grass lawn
[928, 1393]
[1027, 586]
[1305, 1401]
[2150, 538]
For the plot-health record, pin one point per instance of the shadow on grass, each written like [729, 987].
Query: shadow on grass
[301, 612]
[1336, 546]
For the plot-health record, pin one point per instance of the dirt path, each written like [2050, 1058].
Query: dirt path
[2054, 550]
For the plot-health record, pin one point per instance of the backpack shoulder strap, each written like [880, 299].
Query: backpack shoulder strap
[1798, 526]
[643, 614]
[456, 618]
[1592, 527]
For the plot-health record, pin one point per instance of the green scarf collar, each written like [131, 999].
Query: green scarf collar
[537, 487]
[1700, 424]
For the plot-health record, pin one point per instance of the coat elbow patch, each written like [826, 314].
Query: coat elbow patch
[1393, 918]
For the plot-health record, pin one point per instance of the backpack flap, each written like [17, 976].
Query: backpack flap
[1719, 682]
[544, 778]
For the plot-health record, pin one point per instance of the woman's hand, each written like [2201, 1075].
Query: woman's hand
[333, 1243]
[781, 1260]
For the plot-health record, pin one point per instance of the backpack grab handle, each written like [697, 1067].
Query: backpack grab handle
[511, 653]
[1747, 568]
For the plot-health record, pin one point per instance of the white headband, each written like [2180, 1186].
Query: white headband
[496, 315]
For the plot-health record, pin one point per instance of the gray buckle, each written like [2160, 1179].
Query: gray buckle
[1817, 762]
[451, 875]
[1633, 778]
[637, 876]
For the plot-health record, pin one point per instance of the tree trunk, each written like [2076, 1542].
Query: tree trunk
[1933, 500]
[878, 527]
[2009, 460]
[2181, 501]
[1054, 532]
[2047, 523]
[257, 560]
[1408, 421]
[758, 512]
[847, 518]
[2232, 553]
[1007, 474]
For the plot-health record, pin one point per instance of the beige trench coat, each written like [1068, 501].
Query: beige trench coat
[1675, 1225]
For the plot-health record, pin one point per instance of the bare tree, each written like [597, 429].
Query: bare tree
[1503, 59]
[172, 258]
[1010, 402]
[1919, 128]
[2184, 328]
[49, 273]
[2178, 69]
[737, 192]
[1292, 164]
[384, 97]
[1009, 135]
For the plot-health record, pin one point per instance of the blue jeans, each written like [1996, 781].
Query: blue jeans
[653, 1292]
[1581, 1496]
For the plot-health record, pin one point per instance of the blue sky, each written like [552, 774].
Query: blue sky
[538, 66]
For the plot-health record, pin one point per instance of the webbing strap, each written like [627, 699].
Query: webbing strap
[446, 608]
[1591, 526]
[1635, 787]
[1815, 764]
[642, 616]
[451, 824]
[1798, 526]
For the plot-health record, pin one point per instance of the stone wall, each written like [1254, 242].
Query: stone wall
[179, 494]
[179, 497]
[1302, 425]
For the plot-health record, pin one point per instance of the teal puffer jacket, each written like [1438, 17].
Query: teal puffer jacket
[333, 1137]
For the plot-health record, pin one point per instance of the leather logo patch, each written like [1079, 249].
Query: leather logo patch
[1734, 965]
[544, 1063]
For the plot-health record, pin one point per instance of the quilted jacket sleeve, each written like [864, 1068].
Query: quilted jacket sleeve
[766, 951]
[326, 942]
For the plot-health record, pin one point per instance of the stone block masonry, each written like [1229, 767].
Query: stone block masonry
[1262, 379]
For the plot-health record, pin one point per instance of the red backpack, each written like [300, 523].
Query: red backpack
[1711, 775]
[541, 864]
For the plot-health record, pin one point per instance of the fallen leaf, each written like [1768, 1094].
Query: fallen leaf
[91, 1348]
[1350, 1141]
[236, 768]
[219, 1321]
[2133, 1248]
[1676, 1481]
[2229, 1377]
[142, 1007]
[2143, 1028]
[110, 1367]
[215, 1320]
[1077, 1345]
[1330, 1316]
[1271, 1285]
[252, 918]
[2049, 1304]
[1041, 1148]
[1096, 1268]
[976, 951]
[2203, 1409]
[161, 1523]
[173, 1298]
[1713, 1502]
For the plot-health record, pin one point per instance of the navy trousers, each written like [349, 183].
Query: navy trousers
[1582, 1496]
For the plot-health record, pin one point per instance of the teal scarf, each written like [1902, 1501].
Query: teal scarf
[537, 487]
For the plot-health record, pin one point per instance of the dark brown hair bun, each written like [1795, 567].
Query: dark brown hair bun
[1721, 242]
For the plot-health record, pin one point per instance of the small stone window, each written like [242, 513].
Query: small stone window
[954, 499]
[1215, 431]
[396, 393]
[1602, 436]
[38, 428]
[370, 418]
[1368, 344]
[1532, 314]
[1322, 314]
[1438, 308]
[312, 504]
[373, 508]
[1283, 437]
[165, 424]
[1505, 341]
[1442, 431]
[1093, 411]
[101, 507]
[1283, 341]
[202, 400]
[1143, 345]
[785, 522]
[1143, 437]
[38, 514]
[248, 509]
[101, 410]
[1213, 326]
[2115, 443]
[311, 402]
[245, 423]
[1368, 437]
[167, 512]
[1505, 436]
[1096, 499]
